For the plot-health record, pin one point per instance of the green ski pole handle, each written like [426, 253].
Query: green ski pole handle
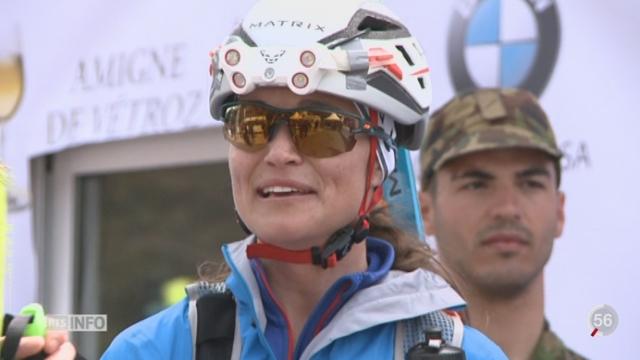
[38, 324]
[31, 321]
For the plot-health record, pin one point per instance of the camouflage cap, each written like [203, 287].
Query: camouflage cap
[482, 120]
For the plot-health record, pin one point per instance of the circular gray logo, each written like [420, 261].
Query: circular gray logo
[503, 43]
[603, 320]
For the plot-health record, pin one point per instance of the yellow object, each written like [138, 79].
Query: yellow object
[4, 178]
[173, 290]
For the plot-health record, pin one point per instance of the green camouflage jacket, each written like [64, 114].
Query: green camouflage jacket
[550, 347]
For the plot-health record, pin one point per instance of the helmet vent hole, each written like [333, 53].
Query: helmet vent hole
[421, 82]
[405, 54]
[376, 24]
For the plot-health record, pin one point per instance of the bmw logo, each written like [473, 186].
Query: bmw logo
[503, 43]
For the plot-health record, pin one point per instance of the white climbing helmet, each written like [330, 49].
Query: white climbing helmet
[355, 49]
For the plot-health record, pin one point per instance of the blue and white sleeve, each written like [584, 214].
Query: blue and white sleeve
[478, 346]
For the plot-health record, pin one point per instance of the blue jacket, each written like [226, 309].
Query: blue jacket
[364, 325]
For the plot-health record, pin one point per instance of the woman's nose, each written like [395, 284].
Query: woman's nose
[281, 150]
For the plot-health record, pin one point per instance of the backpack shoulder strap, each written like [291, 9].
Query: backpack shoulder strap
[213, 338]
[411, 331]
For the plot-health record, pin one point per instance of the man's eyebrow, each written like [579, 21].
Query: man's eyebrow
[534, 171]
[472, 174]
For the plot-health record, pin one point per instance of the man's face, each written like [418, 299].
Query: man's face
[495, 215]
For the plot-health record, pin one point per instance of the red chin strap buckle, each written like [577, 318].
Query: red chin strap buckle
[340, 243]
[337, 247]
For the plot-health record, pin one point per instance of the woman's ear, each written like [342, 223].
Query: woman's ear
[377, 175]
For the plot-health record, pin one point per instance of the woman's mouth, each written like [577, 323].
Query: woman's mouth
[281, 191]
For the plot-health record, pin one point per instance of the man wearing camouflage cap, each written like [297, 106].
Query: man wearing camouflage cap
[490, 195]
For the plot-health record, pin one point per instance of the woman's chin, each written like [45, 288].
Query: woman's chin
[290, 239]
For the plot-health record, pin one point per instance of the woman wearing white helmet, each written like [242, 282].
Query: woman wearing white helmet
[315, 100]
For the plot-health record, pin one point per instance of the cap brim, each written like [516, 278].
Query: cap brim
[491, 139]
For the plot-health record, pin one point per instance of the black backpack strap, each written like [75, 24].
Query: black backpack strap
[212, 315]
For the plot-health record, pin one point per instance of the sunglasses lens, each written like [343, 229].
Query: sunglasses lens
[247, 127]
[322, 134]
[318, 134]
